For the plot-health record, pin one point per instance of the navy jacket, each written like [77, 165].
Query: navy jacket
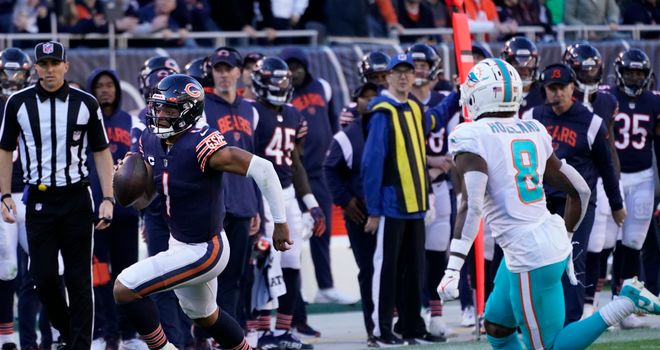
[581, 137]
[342, 164]
[236, 122]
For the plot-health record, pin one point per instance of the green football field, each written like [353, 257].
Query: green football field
[642, 339]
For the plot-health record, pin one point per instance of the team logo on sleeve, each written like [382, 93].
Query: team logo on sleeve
[192, 90]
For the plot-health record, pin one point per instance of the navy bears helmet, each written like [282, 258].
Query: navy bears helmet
[15, 67]
[587, 63]
[626, 64]
[182, 92]
[523, 55]
[154, 70]
[271, 81]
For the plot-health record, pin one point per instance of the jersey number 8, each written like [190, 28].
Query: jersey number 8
[525, 161]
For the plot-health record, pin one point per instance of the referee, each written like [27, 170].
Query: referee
[55, 125]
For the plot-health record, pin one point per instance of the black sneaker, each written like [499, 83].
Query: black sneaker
[372, 342]
[426, 338]
[9, 346]
[267, 342]
[307, 330]
[391, 341]
[288, 341]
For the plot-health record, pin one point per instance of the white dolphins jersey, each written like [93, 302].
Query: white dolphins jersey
[516, 152]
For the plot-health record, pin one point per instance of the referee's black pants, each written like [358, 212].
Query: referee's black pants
[398, 260]
[62, 220]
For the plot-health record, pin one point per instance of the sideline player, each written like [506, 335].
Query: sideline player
[503, 163]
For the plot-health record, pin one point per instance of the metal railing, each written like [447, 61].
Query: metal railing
[121, 40]
[581, 31]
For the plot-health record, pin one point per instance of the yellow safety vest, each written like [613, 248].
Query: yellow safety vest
[408, 148]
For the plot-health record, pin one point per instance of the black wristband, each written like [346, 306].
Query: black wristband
[6, 195]
[109, 199]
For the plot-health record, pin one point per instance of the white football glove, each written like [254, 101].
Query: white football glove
[430, 214]
[307, 226]
[448, 287]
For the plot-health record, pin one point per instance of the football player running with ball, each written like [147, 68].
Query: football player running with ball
[187, 164]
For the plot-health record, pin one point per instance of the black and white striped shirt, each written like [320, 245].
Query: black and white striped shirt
[54, 130]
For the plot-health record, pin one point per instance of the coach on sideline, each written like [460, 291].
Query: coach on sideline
[54, 126]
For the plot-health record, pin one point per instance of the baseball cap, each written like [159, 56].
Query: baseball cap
[252, 57]
[362, 88]
[557, 73]
[226, 55]
[50, 50]
[400, 58]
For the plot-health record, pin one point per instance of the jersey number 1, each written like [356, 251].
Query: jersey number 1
[525, 160]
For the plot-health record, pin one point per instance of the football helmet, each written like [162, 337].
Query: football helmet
[15, 67]
[523, 55]
[182, 92]
[373, 62]
[197, 69]
[154, 70]
[633, 60]
[492, 85]
[252, 57]
[424, 52]
[271, 80]
[587, 63]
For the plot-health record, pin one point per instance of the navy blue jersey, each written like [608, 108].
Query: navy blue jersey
[433, 99]
[602, 103]
[190, 191]
[17, 183]
[436, 143]
[533, 98]
[634, 129]
[276, 136]
[139, 126]
[236, 122]
[580, 137]
[313, 100]
[342, 164]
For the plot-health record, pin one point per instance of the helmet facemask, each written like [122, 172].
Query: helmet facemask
[276, 87]
[13, 79]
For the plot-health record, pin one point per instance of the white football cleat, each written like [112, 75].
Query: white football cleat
[641, 297]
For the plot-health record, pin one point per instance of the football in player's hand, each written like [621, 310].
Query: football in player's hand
[132, 182]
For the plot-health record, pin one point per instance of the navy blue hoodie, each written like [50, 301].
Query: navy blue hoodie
[313, 101]
[236, 121]
[581, 137]
[118, 127]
